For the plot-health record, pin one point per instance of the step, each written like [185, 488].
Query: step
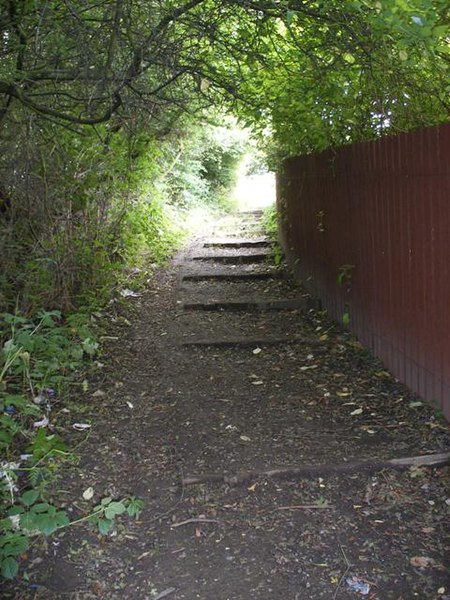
[250, 213]
[230, 276]
[252, 305]
[257, 257]
[238, 243]
[249, 342]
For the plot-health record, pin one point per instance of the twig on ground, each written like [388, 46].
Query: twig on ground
[345, 572]
[305, 507]
[187, 521]
[165, 593]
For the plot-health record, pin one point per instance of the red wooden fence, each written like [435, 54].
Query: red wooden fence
[383, 209]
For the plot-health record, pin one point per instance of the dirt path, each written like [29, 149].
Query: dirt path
[228, 387]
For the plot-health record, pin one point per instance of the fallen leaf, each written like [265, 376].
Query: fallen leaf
[126, 293]
[81, 426]
[89, 493]
[252, 488]
[257, 351]
[43, 423]
[245, 438]
[259, 382]
[357, 411]
[98, 393]
[421, 561]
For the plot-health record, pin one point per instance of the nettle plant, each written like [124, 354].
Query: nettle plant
[38, 359]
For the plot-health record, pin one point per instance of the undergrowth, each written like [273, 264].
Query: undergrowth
[39, 360]
[270, 222]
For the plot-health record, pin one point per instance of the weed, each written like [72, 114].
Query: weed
[271, 219]
[38, 360]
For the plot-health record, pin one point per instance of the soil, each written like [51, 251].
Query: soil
[162, 410]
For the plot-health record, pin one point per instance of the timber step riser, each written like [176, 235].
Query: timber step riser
[233, 276]
[229, 259]
[252, 305]
[238, 244]
[245, 343]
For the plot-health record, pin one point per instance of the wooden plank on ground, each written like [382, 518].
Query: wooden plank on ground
[249, 342]
[250, 305]
[238, 243]
[255, 257]
[233, 276]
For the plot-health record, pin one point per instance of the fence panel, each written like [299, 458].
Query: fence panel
[368, 227]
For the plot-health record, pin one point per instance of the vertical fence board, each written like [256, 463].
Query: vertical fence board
[383, 207]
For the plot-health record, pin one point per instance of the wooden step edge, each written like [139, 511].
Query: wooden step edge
[224, 276]
[250, 342]
[252, 305]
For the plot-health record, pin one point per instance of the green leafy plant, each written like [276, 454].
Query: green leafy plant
[105, 513]
[30, 516]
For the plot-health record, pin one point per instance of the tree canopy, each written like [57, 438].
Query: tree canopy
[321, 72]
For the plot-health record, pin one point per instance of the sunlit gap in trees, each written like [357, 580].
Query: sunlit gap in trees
[255, 185]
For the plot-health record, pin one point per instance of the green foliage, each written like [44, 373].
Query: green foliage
[270, 223]
[203, 165]
[43, 351]
[29, 516]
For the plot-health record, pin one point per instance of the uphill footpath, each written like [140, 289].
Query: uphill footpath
[276, 458]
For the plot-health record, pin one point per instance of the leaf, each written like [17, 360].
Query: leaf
[349, 58]
[42, 423]
[9, 567]
[89, 346]
[114, 508]
[259, 382]
[134, 507]
[245, 438]
[81, 426]
[357, 411]
[28, 498]
[88, 494]
[13, 544]
[290, 14]
[421, 562]
[257, 351]
[104, 526]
